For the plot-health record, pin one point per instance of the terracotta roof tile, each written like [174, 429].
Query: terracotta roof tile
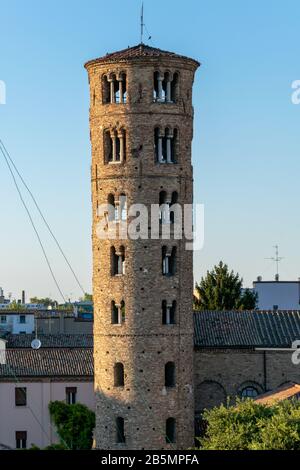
[55, 362]
[51, 341]
[141, 51]
[287, 391]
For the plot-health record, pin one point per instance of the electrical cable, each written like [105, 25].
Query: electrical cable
[33, 225]
[43, 217]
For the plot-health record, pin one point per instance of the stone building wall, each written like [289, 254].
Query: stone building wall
[222, 373]
[142, 343]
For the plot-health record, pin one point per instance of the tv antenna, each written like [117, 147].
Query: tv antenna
[143, 26]
[277, 260]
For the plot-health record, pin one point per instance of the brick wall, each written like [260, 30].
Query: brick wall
[220, 373]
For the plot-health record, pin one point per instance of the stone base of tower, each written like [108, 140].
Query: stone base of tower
[150, 436]
[144, 403]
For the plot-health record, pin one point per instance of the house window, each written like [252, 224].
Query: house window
[170, 431]
[118, 261]
[170, 380]
[71, 393]
[21, 439]
[117, 313]
[120, 431]
[249, 392]
[119, 375]
[168, 313]
[3, 319]
[20, 396]
[22, 319]
[168, 261]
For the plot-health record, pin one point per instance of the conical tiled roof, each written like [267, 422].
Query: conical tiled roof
[141, 51]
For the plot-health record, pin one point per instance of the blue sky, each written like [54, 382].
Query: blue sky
[246, 139]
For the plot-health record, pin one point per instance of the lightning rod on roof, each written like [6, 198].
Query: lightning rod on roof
[142, 23]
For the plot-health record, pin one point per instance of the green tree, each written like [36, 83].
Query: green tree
[252, 426]
[15, 306]
[74, 423]
[221, 289]
[45, 301]
[86, 298]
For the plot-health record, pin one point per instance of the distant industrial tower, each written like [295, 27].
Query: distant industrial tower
[141, 122]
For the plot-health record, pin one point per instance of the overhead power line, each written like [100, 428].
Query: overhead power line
[8, 157]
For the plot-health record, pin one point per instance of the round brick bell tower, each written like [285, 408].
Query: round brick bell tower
[141, 123]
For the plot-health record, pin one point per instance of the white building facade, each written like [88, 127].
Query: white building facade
[16, 322]
[277, 295]
[31, 379]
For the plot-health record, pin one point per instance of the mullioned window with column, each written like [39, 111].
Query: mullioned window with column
[166, 145]
[115, 145]
[114, 88]
[165, 87]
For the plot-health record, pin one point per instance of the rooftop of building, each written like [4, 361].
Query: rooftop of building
[71, 355]
[246, 329]
[70, 341]
[139, 52]
[52, 362]
[287, 391]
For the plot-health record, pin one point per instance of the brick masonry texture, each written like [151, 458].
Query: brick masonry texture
[222, 373]
[142, 343]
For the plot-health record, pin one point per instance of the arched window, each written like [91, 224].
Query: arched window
[165, 144]
[121, 89]
[106, 97]
[165, 87]
[174, 87]
[117, 313]
[114, 313]
[158, 145]
[170, 380]
[164, 210]
[119, 375]
[168, 313]
[123, 207]
[115, 146]
[111, 207]
[120, 431]
[108, 147]
[117, 261]
[174, 201]
[174, 145]
[170, 431]
[168, 261]
[159, 90]
[249, 392]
